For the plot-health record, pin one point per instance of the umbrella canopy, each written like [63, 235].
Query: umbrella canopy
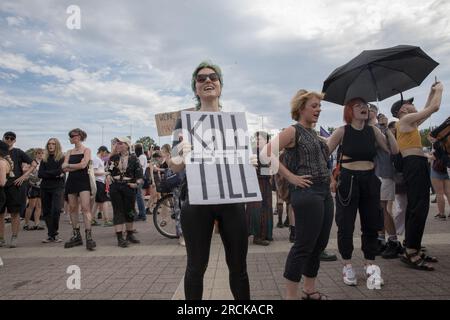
[378, 74]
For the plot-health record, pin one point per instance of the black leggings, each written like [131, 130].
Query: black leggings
[358, 190]
[313, 209]
[197, 223]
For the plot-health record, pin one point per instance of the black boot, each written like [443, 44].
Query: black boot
[280, 216]
[131, 238]
[76, 239]
[291, 234]
[121, 242]
[90, 244]
[286, 222]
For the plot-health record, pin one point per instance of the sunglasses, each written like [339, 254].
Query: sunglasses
[73, 135]
[202, 77]
[10, 138]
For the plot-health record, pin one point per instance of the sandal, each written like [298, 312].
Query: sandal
[428, 258]
[319, 296]
[419, 264]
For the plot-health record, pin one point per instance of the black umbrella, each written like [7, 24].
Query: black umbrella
[378, 74]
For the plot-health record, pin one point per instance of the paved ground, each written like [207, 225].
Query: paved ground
[155, 268]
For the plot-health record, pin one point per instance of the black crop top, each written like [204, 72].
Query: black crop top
[359, 145]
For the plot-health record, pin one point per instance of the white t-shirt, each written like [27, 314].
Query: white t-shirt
[99, 166]
[143, 161]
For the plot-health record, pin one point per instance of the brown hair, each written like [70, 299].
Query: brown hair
[81, 133]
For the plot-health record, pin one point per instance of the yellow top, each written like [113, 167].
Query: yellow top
[408, 140]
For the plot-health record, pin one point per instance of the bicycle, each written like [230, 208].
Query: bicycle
[164, 216]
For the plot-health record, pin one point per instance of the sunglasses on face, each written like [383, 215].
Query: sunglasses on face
[202, 77]
[10, 138]
[73, 135]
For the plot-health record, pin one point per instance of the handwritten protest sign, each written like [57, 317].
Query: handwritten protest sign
[218, 169]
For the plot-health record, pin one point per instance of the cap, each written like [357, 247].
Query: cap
[102, 149]
[124, 140]
[9, 134]
[397, 105]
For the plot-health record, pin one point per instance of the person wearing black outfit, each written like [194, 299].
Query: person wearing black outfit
[124, 176]
[358, 187]
[305, 168]
[6, 169]
[14, 197]
[197, 221]
[52, 187]
[78, 188]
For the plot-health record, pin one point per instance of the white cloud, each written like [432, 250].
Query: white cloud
[14, 21]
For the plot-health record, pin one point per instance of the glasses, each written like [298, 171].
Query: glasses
[73, 135]
[360, 105]
[202, 77]
[10, 138]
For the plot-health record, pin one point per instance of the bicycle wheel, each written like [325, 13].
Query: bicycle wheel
[164, 217]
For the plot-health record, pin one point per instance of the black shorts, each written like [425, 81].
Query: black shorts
[14, 199]
[101, 196]
[34, 192]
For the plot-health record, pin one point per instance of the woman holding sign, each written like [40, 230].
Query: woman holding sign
[306, 156]
[197, 221]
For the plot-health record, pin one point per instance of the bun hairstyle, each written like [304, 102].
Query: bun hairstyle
[81, 133]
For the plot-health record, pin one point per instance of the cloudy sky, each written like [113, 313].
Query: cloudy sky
[132, 59]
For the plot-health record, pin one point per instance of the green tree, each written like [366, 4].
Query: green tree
[146, 142]
[424, 137]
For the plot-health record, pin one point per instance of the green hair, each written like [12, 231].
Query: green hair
[203, 65]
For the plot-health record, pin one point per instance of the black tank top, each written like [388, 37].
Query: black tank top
[359, 145]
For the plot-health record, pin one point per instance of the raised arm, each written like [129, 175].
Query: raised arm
[387, 143]
[432, 106]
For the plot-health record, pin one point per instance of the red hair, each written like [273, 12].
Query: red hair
[348, 109]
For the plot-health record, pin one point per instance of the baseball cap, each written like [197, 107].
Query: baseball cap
[103, 149]
[397, 105]
[9, 134]
[124, 140]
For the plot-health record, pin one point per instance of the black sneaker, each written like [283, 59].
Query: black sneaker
[391, 251]
[381, 246]
[325, 256]
[280, 224]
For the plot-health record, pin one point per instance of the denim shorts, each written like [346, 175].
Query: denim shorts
[439, 175]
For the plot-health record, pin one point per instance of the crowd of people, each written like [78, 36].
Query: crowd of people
[381, 172]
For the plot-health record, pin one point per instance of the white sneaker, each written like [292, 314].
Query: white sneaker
[181, 241]
[349, 275]
[374, 279]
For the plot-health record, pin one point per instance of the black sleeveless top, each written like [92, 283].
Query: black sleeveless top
[359, 145]
[309, 156]
[78, 180]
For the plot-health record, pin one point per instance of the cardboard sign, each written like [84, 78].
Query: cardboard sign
[165, 122]
[218, 168]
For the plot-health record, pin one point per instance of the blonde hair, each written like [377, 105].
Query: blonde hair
[58, 150]
[38, 150]
[298, 102]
